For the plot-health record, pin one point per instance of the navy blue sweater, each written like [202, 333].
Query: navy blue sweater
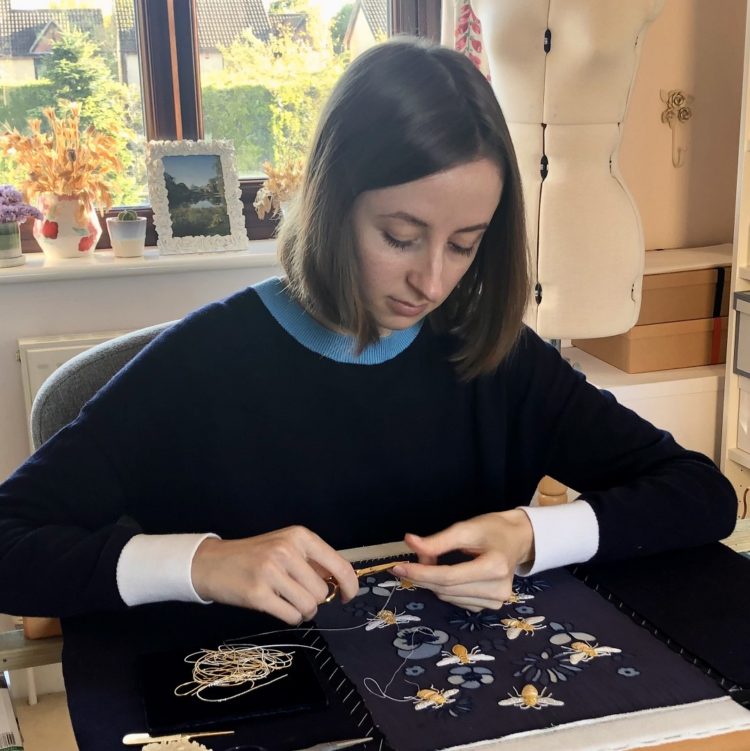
[227, 423]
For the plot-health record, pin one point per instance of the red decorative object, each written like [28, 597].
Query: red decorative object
[468, 36]
[49, 229]
[86, 243]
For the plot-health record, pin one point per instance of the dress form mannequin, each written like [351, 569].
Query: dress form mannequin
[562, 71]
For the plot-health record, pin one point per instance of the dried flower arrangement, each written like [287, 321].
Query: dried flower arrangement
[13, 208]
[65, 161]
[280, 185]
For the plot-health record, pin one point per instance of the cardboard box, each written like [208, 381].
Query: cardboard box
[662, 346]
[36, 627]
[683, 296]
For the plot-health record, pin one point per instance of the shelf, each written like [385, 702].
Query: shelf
[740, 457]
[654, 384]
[16, 651]
[687, 259]
[102, 263]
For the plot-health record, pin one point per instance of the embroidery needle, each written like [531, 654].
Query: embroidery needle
[333, 585]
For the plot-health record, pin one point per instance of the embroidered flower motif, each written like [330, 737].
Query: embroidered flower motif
[371, 585]
[414, 670]
[568, 635]
[530, 585]
[471, 676]
[628, 672]
[415, 606]
[494, 644]
[461, 707]
[525, 610]
[357, 609]
[419, 642]
[545, 668]
[468, 621]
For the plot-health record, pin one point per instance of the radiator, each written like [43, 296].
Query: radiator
[40, 356]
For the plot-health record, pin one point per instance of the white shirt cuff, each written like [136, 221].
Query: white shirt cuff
[563, 534]
[156, 568]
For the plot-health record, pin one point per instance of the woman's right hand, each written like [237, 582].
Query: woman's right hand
[282, 573]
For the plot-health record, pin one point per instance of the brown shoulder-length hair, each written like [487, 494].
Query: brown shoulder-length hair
[404, 110]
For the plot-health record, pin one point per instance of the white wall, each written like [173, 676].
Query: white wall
[696, 46]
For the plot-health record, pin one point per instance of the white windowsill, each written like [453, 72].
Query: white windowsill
[102, 263]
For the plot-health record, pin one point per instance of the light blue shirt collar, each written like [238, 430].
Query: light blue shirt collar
[298, 323]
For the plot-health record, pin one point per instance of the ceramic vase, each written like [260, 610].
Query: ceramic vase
[66, 231]
[10, 245]
[128, 236]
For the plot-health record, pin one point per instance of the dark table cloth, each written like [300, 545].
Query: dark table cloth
[696, 599]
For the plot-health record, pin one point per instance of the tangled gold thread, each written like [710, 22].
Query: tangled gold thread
[233, 665]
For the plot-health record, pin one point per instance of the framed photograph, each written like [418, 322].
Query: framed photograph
[195, 195]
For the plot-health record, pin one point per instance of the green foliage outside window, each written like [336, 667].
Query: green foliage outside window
[339, 25]
[77, 71]
[268, 95]
[266, 99]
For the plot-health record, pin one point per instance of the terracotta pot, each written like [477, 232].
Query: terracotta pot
[65, 231]
[10, 245]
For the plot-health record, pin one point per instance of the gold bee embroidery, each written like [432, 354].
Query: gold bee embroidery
[514, 627]
[517, 597]
[459, 655]
[386, 618]
[433, 697]
[399, 585]
[530, 698]
[582, 651]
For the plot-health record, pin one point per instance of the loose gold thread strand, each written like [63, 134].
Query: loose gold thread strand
[228, 667]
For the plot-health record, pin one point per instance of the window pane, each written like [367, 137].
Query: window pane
[267, 66]
[58, 51]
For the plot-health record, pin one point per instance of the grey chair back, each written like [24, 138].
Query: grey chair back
[63, 394]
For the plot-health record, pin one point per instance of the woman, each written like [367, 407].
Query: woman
[385, 385]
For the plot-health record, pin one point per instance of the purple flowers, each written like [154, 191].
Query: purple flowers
[12, 206]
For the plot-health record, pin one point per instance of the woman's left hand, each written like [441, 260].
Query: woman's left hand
[499, 542]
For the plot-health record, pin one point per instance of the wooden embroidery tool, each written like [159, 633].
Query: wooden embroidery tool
[141, 739]
[333, 585]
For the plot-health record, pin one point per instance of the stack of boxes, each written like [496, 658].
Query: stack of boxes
[683, 318]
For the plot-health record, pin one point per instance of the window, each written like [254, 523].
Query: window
[253, 71]
[56, 52]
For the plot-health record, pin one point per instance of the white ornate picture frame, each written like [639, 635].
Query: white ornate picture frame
[195, 195]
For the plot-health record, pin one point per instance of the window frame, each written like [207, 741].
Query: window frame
[168, 54]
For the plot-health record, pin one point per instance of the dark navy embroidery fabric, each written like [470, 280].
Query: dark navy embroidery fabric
[558, 653]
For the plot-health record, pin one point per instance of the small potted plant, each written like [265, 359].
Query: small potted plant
[280, 185]
[13, 212]
[127, 233]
